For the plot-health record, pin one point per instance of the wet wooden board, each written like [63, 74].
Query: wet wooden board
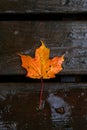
[69, 38]
[26, 6]
[19, 106]
[49, 87]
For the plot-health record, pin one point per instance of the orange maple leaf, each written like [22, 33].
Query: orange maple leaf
[41, 66]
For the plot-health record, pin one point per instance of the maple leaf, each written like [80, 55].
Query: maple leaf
[41, 66]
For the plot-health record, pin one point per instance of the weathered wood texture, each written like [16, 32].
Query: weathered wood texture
[61, 37]
[51, 87]
[21, 6]
[19, 103]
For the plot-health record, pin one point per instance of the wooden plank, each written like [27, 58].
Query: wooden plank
[15, 88]
[69, 38]
[26, 6]
[19, 106]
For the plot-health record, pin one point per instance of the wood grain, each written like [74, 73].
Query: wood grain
[69, 38]
[19, 103]
[26, 6]
[51, 87]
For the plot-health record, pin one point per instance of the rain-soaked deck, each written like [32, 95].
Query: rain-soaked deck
[64, 106]
[62, 25]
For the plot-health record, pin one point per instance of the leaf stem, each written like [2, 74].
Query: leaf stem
[41, 93]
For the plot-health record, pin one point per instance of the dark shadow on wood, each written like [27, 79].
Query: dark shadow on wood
[43, 16]
[59, 78]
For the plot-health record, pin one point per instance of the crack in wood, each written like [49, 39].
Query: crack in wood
[59, 78]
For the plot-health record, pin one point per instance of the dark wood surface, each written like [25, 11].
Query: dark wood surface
[66, 94]
[19, 106]
[49, 87]
[69, 38]
[26, 6]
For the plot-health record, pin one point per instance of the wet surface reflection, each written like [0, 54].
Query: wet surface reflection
[62, 111]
